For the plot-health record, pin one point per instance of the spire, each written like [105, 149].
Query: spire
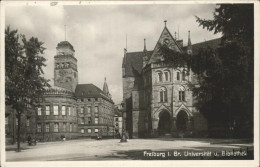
[165, 22]
[65, 31]
[105, 87]
[126, 42]
[189, 47]
[145, 45]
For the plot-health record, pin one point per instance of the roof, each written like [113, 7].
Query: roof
[133, 63]
[65, 44]
[117, 112]
[89, 91]
[164, 37]
[211, 43]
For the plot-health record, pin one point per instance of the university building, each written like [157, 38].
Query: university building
[157, 100]
[68, 109]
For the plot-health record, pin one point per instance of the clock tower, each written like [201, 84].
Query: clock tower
[65, 66]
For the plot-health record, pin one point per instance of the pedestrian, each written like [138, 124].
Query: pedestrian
[29, 139]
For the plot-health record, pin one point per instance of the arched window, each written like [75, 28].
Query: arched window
[159, 76]
[167, 76]
[183, 75]
[178, 75]
[182, 94]
[163, 94]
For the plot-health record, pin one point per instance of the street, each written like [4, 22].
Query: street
[142, 149]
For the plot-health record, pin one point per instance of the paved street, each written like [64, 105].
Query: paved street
[112, 149]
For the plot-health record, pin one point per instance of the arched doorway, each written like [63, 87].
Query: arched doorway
[182, 119]
[164, 125]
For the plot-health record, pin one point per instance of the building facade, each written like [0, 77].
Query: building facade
[68, 109]
[118, 122]
[157, 100]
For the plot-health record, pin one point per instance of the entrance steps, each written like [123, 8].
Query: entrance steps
[166, 135]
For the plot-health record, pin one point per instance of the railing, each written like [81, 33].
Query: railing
[57, 91]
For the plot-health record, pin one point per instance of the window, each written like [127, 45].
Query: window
[89, 120]
[159, 76]
[181, 95]
[39, 111]
[27, 122]
[96, 130]
[183, 76]
[81, 110]
[64, 127]
[57, 65]
[56, 127]
[89, 130]
[16, 121]
[39, 128]
[116, 119]
[55, 110]
[47, 127]
[96, 109]
[178, 76]
[163, 95]
[6, 120]
[74, 111]
[89, 110]
[167, 75]
[96, 120]
[70, 127]
[69, 110]
[82, 120]
[63, 110]
[47, 110]
[82, 131]
[89, 99]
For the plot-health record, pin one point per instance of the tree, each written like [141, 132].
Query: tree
[229, 79]
[24, 83]
[226, 73]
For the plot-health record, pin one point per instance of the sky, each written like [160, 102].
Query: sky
[98, 33]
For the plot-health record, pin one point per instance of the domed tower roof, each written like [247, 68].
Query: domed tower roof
[65, 48]
[65, 44]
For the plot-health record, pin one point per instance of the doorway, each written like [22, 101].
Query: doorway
[164, 125]
[182, 119]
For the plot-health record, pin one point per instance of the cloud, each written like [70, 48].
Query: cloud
[98, 33]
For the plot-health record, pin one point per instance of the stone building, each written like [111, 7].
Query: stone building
[118, 122]
[156, 97]
[68, 109]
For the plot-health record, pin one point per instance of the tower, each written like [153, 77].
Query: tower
[105, 89]
[65, 66]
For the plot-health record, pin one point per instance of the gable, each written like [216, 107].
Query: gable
[165, 38]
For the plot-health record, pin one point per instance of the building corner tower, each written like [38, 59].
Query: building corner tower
[65, 67]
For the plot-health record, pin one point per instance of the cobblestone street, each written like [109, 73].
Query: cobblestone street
[112, 149]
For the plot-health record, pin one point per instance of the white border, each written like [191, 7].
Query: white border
[144, 163]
